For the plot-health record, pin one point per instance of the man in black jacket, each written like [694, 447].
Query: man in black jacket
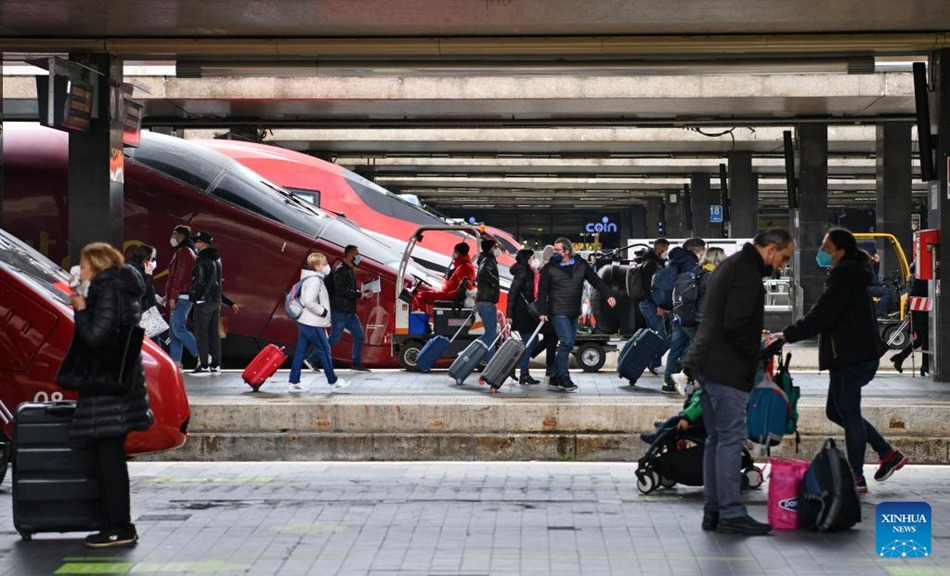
[207, 296]
[560, 292]
[343, 305]
[489, 290]
[650, 262]
[724, 357]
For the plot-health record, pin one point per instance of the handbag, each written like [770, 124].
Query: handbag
[534, 308]
[108, 369]
[152, 322]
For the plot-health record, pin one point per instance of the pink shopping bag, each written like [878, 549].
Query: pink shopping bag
[786, 474]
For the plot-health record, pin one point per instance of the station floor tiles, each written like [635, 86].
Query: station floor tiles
[459, 519]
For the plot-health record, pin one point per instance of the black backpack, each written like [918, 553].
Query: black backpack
[685, 295]
[661, 287]
[635, 289]
[828, 497]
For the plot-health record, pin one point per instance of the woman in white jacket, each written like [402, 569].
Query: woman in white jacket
[313, 323]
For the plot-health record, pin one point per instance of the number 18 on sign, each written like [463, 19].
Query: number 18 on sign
[715, 213]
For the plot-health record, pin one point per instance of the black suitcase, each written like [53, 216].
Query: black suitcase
[637, 353]
[469, 359]
[504, 361]
[54, 476]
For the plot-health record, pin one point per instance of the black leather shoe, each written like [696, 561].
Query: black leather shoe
[743, 525]
[898, 363]
[924, 370]
[526, 379]
[710, 520]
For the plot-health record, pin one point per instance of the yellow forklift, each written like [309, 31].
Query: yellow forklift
[895, 274]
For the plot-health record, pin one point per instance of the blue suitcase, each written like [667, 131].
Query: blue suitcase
[433, 350]
[637, 353]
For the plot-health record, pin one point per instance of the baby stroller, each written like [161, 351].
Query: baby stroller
[676, 457]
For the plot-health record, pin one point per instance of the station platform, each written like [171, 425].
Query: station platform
[393, 415]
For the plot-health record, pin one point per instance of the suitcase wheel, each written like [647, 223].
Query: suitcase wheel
[494, 389]
[481, 381]
[255, 388]
[27, 536]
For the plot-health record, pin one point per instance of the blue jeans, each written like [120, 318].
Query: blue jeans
[351, 322]
[658, 325]
[308, 336]
[679, 346]
[530, 350]
[566, 329]
[724, 409]
[844, 409]
[488, 313]
[179, 334]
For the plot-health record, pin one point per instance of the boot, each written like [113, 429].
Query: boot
[924, 369]
[526, 379]
[898, 361]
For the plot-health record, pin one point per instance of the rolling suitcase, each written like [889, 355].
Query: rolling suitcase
[637, 353]
[505, 359]
[436, 347]
[263, 366]
[54, 476]
[469, 359]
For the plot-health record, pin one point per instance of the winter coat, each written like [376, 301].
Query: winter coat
[726, 347]
[179, 271]
[315, 300]
[489, 287]
[462, 268]
[345, 294]
[561, 288]
[843, 318]
[206, 276]
[520, 293]
[703, 274]
[113, 300]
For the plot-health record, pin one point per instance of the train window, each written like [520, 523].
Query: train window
[385, 202]
[311, 196]
[30, 264]
[191, 168]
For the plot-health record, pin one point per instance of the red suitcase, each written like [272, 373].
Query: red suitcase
[263, 366]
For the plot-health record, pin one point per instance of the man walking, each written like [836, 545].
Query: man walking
[723, 358]
[489, 291]
[650, 262]
[683, 261]
[177, 293]
[559, 297]
[207, 296]
[343, 305]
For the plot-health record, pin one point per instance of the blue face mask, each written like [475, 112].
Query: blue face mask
[357, 259]
[823, 259]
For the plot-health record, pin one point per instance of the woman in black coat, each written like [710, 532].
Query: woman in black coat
[108, 298]
[519, 295]
[848, 347]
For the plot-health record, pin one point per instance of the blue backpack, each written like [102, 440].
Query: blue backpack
[292, 304]
[773, 409]
[661, 287]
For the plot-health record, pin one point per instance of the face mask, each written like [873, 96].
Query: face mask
[173, 242]
[535, 263]
[83, 289]
[325, 270]
[357, 259]
[455, 255]
[496, 252]
[823, 259]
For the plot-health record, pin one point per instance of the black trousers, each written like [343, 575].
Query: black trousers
[206, 317]
[113, 477]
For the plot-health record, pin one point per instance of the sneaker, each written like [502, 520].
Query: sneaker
[112, 537]
[553, 383]
[527, 380]
[360, 368]
[296, 388]
[565, 385]
[743, 525]
[340, 384]
[669, 388]
[861, 484]
[681, 382]
[214, 370]
[200, 370]
[890, 464]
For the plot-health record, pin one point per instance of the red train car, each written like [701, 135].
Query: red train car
[262, 231]
[36, 327]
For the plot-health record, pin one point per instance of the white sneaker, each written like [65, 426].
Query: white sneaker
[340, 384]
[682, 383]
[297, 388]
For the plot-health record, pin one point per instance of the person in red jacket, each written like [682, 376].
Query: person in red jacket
[176, 293]
[462, 268]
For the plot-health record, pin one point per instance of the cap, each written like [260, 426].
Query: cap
[461, 248]
[203, 237]
[488, 242]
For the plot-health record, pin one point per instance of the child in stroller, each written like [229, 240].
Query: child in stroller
[675, 455]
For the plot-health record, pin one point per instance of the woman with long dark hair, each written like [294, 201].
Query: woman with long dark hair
[848, 347]
[520, 295]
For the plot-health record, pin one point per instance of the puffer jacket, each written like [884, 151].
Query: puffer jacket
[843, 318]
[315, 300]
[489, 288]
[179, 271]
[206, 276]
[561, 288]
[345, 294]
[520, 293]
[113, 301]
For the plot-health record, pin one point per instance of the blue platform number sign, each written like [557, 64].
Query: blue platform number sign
[715, 213]
[902, 530]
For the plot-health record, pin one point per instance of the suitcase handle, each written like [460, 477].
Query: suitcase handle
[60, 408]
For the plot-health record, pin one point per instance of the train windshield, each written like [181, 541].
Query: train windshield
[385, 202]
[28, 263]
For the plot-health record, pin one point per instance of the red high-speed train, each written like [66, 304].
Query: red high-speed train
[36, 327]
[263, 232]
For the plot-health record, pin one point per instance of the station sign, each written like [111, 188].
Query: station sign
[605, 225]
[715, 213]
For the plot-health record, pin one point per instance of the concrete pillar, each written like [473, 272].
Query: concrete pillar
[701, 198]
[813, 208]
[655, 225]
[743, 195]
[96, 189]
[893, 201]
[940, 214]
[675, 218]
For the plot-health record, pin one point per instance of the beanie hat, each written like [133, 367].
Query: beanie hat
[488, 243]
[461, 249]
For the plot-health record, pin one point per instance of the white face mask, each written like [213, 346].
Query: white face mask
[325, 270]
[496, 252]
[174, 242]
[534, 263]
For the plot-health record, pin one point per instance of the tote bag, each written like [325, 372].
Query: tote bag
[109, 369]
